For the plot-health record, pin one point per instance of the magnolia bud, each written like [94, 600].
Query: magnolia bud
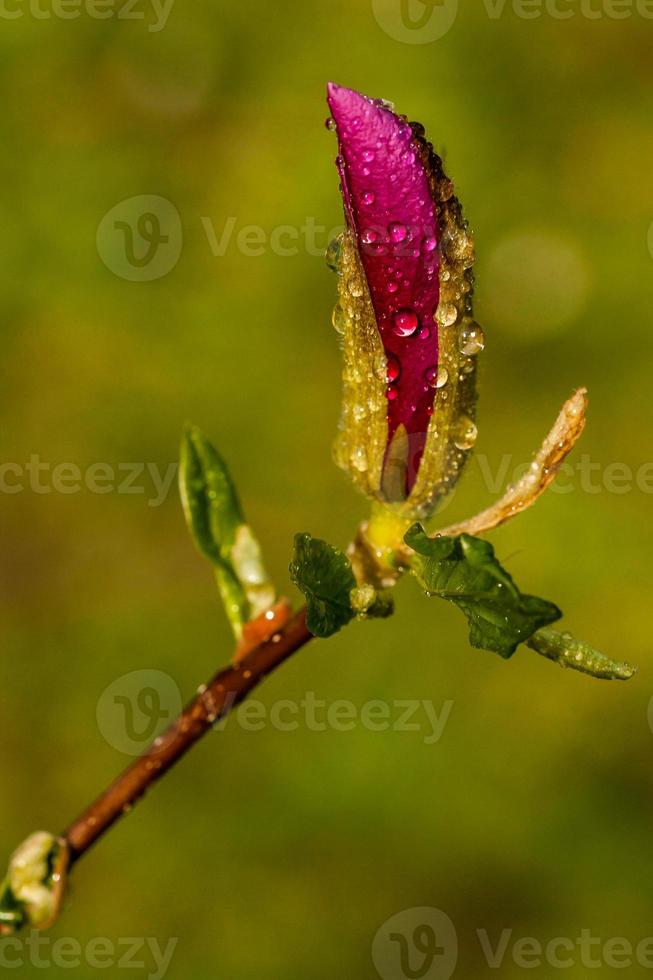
[404, 311]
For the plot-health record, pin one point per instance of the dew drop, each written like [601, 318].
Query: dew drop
[398, 232]
[472, 339]
[393, 369]
[424, 333]
[368, 197]
[334, 255]
[393, 286]
[330, 123]
[405, 323]
[465, 433]
[446, 314]
[391, 394]
[430, 245]
[436, 377]
[368, 156]
[359, 459]
[339, 318]
[369, 236]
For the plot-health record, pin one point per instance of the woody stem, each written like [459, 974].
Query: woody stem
[225, 691]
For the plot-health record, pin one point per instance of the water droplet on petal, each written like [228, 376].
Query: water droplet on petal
[339, 318]
[472, 339]
[368, 197]
[465, 433]
[424, 333]
[430, 244]
[330, 123]
[405, 323]
[398, 232]
[368, 156]
[393, 369]
[391, 394]
[436, 377]
[446, 314]
[369, 236]
[334, 255]
[393, 286]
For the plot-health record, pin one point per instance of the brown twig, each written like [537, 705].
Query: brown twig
[214, 701]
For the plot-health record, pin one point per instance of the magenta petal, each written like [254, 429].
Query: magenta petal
[390, 209]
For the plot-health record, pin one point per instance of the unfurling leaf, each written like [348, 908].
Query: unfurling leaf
[218, 527]
[465, 571]
[33, 889]
[326, 578]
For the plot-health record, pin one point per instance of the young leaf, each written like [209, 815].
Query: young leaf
[218, 527]
[209, 497]
[464, 570]
[326, 578]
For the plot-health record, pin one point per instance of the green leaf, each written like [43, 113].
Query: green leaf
[218, 527]
[326, 578]
[465, 571]
[209, 497]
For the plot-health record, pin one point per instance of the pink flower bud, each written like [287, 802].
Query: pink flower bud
[405, 310]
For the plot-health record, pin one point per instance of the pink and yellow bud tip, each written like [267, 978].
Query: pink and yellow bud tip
[404, 311]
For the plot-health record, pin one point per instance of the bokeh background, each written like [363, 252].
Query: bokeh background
[280, 854]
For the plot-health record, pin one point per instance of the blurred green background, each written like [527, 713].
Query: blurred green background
[279, 854]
